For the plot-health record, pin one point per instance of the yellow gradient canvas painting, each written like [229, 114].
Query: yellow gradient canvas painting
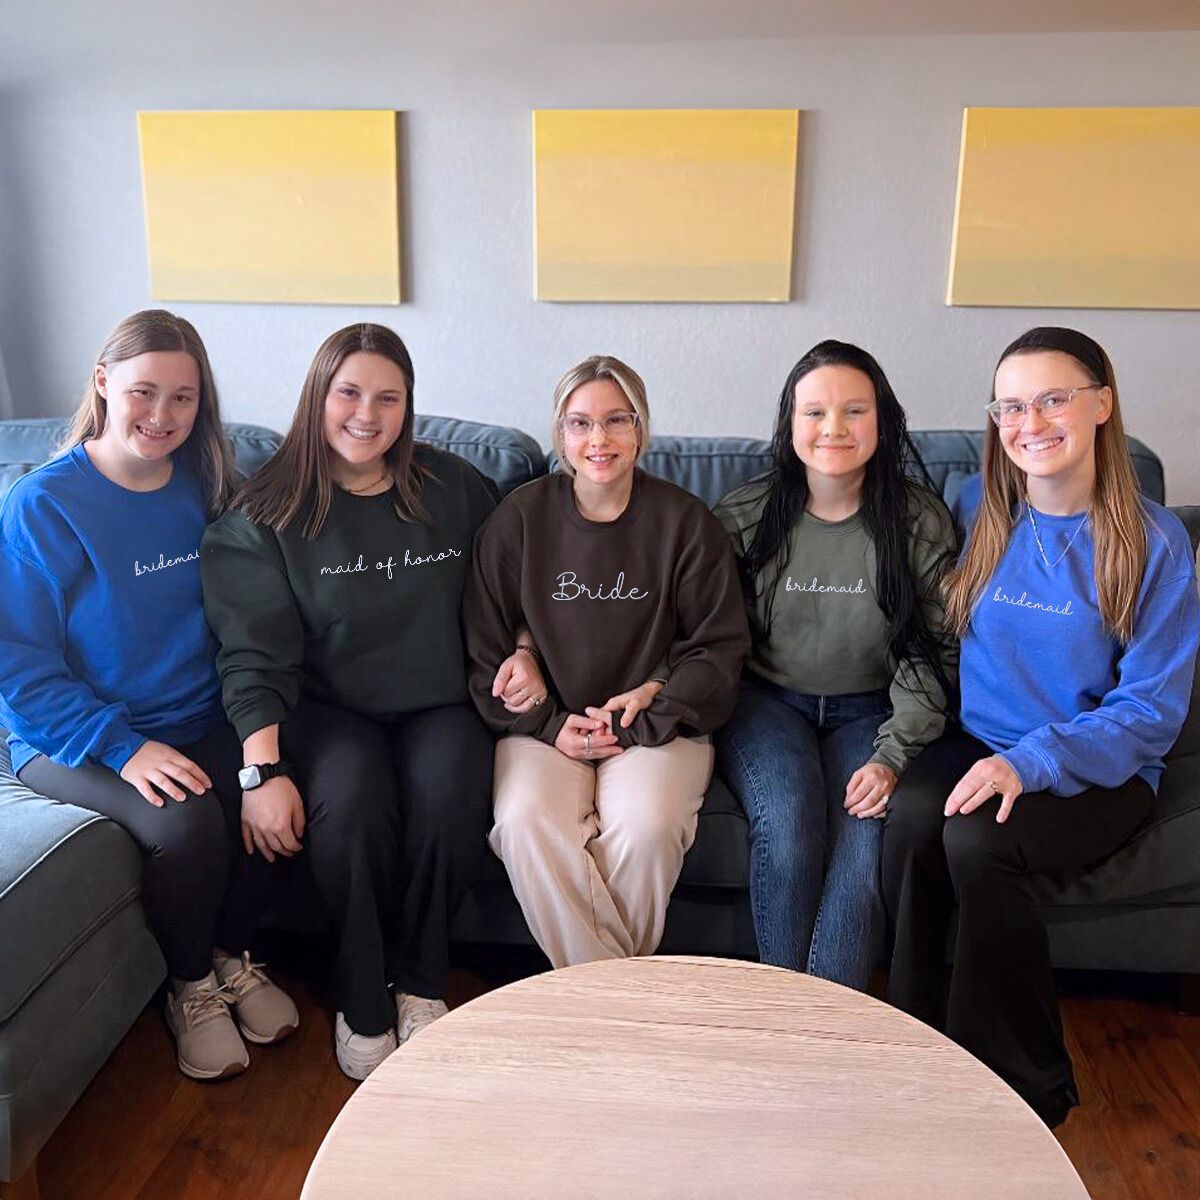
[670, 204]
[289, 207]
[1079, 208]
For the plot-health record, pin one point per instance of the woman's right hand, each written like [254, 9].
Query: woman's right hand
[587, 739]
[157, 765]
[273, 819]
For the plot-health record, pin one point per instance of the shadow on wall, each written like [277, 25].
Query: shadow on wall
[17, 276]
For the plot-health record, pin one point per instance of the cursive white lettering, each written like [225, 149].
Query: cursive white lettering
[1002, 597]
[140, 568]
[569, 588]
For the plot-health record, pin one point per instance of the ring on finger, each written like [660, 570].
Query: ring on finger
[996, 788]
[587, 743]
[537, 703]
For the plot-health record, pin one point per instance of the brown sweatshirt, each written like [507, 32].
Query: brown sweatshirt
[608, 603]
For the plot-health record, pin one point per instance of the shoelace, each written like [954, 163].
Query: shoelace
[419, 1010]
[206, 1004]
[246, 978]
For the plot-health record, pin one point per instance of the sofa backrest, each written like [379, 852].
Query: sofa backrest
[507, 456]
[712, 466]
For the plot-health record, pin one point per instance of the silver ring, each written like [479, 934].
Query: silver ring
[993, 785]
[587, 743]
[537, 702]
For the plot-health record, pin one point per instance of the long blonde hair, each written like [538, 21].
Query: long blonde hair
[207, 450]
[1116, 513]
[298, 479]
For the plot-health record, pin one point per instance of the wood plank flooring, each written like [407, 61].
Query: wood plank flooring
[143, 1132]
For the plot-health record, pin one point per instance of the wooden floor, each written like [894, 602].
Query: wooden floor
[143, 1132]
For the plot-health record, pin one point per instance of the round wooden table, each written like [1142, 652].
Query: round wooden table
[685, 1077]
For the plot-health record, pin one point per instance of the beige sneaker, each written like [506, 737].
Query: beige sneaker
[413, 1013]
[265, 1012]
[358, 1054]
[207, 1042]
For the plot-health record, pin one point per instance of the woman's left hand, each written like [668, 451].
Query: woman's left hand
[518, 683]
[632, 701]
[868, 791]
[987, 778]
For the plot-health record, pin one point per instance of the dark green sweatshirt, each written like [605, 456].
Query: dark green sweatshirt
[829, 636]
[608, 604]
[366, 616]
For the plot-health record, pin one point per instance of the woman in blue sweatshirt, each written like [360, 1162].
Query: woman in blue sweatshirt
[1076, 602]
[108, 683]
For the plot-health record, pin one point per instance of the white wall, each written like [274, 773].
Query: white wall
[880, 150]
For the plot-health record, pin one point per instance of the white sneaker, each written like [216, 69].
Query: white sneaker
[413, 1013]
[357, 1053]
[206, 1039]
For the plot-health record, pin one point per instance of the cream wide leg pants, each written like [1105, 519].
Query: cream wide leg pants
[593, 850]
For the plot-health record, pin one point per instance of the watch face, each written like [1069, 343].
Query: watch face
[249, 777]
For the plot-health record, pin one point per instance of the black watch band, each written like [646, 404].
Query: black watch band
[259, 773]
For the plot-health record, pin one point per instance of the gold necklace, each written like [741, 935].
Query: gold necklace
[366, 487]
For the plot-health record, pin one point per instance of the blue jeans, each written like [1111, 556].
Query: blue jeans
[814, 869]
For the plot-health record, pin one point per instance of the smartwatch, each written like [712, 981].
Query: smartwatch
[258, 774]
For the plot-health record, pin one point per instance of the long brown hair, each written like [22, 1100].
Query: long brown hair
[297, 478]
[1116, 513]
[206, 451]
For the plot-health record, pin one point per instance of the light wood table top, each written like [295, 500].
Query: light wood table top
[685, 1077]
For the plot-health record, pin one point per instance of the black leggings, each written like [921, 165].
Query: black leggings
[199, 888]
[397, 818]
[1003, 1006]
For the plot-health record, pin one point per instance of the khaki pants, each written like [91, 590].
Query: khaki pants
[593, 851]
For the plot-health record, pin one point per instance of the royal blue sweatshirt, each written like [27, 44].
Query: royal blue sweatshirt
[1050, 689]
[103, 642]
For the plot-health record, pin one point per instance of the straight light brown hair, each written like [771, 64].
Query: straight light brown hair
[1116, 512]
[297, 478]
[206, 451]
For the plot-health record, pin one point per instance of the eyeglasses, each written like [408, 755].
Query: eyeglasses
[1051, 405]
[615, 425]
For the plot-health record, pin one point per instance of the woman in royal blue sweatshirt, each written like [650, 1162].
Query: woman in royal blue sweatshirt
[108, 681]
[1077, 607]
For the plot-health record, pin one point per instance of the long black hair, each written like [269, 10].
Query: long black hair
[887, 514]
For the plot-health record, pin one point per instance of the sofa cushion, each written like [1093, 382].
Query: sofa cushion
[64, 872]
[506, 456]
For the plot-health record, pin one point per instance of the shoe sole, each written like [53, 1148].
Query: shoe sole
[267, 1039]
[226, 1072]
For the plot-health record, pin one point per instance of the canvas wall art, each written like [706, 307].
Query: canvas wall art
[1078, 207]
[285, 207]
[671, 204]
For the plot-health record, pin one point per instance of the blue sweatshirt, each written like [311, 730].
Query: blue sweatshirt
[103, 642]
[1050, 689]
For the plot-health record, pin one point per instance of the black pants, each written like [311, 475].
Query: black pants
[1003, 1006]
[397, 818]
[199, 888]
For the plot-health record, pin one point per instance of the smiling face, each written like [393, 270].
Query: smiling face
[1059, 450]
[365, 410]
[601, 458]
[835, 424]
[151, 404]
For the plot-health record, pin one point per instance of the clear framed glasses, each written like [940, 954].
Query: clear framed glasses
[615, 425]
[1050, 404]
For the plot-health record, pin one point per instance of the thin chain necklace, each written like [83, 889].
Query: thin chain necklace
[1037, 538]
[366, 487]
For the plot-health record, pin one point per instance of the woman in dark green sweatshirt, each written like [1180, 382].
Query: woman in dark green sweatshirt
[333, 586]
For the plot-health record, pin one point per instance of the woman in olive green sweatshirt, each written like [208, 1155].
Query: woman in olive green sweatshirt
[841, 558]
[333, 586]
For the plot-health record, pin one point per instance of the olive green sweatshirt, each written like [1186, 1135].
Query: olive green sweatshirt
[608, 605]
[828, 635]
[365, 616]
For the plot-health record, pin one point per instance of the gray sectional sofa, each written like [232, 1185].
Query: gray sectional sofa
[77, 962]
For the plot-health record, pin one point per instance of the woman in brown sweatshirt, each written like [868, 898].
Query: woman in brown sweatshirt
[624, 581]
